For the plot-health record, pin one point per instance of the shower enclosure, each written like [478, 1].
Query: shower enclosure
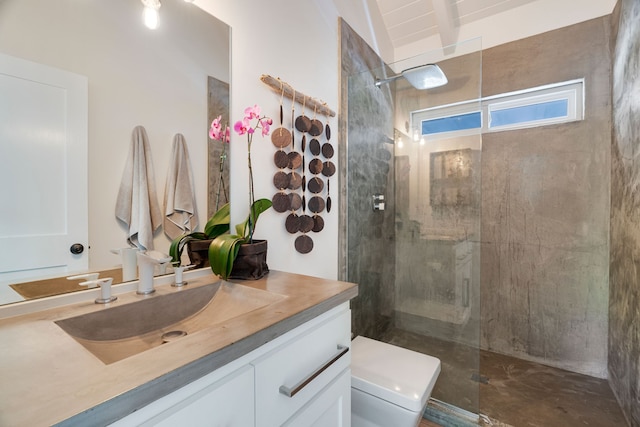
[411, 188]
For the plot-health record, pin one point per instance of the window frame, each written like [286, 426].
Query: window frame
[572, 91]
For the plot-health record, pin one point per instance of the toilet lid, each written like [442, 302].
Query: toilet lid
[395, 374]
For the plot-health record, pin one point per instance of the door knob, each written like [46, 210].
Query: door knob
[76, 248]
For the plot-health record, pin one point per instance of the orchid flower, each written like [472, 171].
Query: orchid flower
[216, 132]
[243, 127]
[265, 126]
[252, 112]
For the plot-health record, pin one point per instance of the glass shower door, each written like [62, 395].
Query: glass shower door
[417, 259]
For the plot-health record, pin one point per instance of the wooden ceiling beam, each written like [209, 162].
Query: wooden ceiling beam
[445, 18]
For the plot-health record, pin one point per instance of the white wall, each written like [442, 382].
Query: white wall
[298, 42]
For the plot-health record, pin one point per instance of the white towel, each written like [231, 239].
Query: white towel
[137, 205]
[180, 215]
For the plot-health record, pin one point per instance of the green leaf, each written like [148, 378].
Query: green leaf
[219, 223]
[223, 251]
[178, 244]
[259, 206]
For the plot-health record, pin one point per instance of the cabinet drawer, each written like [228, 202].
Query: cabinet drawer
[290, 376]
[332, 408]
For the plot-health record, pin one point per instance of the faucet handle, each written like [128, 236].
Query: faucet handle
[105, 291]
[156, 257]
[178, 274]
[91, 277]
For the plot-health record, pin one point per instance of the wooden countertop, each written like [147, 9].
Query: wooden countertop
[46, 377]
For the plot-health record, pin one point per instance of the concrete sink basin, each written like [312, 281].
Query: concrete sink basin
[122, 331]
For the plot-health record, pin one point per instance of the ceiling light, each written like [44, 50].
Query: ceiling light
[151, 14]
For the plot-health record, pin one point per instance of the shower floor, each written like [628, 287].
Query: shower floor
[514, 391]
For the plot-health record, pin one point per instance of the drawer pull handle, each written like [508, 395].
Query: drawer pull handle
[290, 392]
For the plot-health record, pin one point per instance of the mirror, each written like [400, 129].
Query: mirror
[170, 80]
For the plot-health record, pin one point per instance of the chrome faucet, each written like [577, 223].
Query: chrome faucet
[146, 265]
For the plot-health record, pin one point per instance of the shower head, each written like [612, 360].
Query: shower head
[421, 77]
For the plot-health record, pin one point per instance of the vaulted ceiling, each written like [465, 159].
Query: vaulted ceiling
[408, 21]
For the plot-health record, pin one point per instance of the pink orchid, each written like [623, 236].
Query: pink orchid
[240, 127]
[215, 132]
[266, 123]
[252, 112]
[244, 126]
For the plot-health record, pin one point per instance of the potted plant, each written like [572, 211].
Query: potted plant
[198, 242]
[235, 255]
[239, 256]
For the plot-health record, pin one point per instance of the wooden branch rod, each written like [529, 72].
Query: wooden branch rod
[310, 104]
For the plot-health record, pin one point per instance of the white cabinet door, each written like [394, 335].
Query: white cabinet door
[330, 408]
[43, 169]
[226, 402]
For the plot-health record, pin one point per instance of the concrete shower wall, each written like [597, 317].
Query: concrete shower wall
[367, 255]
[545, 207]
[624, 278]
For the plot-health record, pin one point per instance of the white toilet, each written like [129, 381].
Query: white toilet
[390, 385]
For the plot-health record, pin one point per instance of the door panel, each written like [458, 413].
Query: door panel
[43, 169]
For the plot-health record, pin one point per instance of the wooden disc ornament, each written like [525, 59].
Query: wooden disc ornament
[327, 150]
[304, 244]
[315, 166]
[292, 223]
[328, 169]
[281, 202]
[281, 180]
[294, 160]
[316, 204]
[318, 224]
[303, 123]
[306, 223]
[314, 147]
[281, 159]
[281, 137]
[316, 127]
[315, 185]
[294, 180]
[295, 201]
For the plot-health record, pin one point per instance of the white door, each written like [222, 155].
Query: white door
[43, 170]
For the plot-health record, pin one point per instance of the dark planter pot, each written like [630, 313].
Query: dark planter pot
[251, 262]
[198, 251]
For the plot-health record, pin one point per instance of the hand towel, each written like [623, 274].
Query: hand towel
[137, 204]
[180, 215]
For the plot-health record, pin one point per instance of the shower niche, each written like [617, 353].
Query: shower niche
[453, 178]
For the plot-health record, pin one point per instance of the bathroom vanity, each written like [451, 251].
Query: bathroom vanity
[268, 352]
